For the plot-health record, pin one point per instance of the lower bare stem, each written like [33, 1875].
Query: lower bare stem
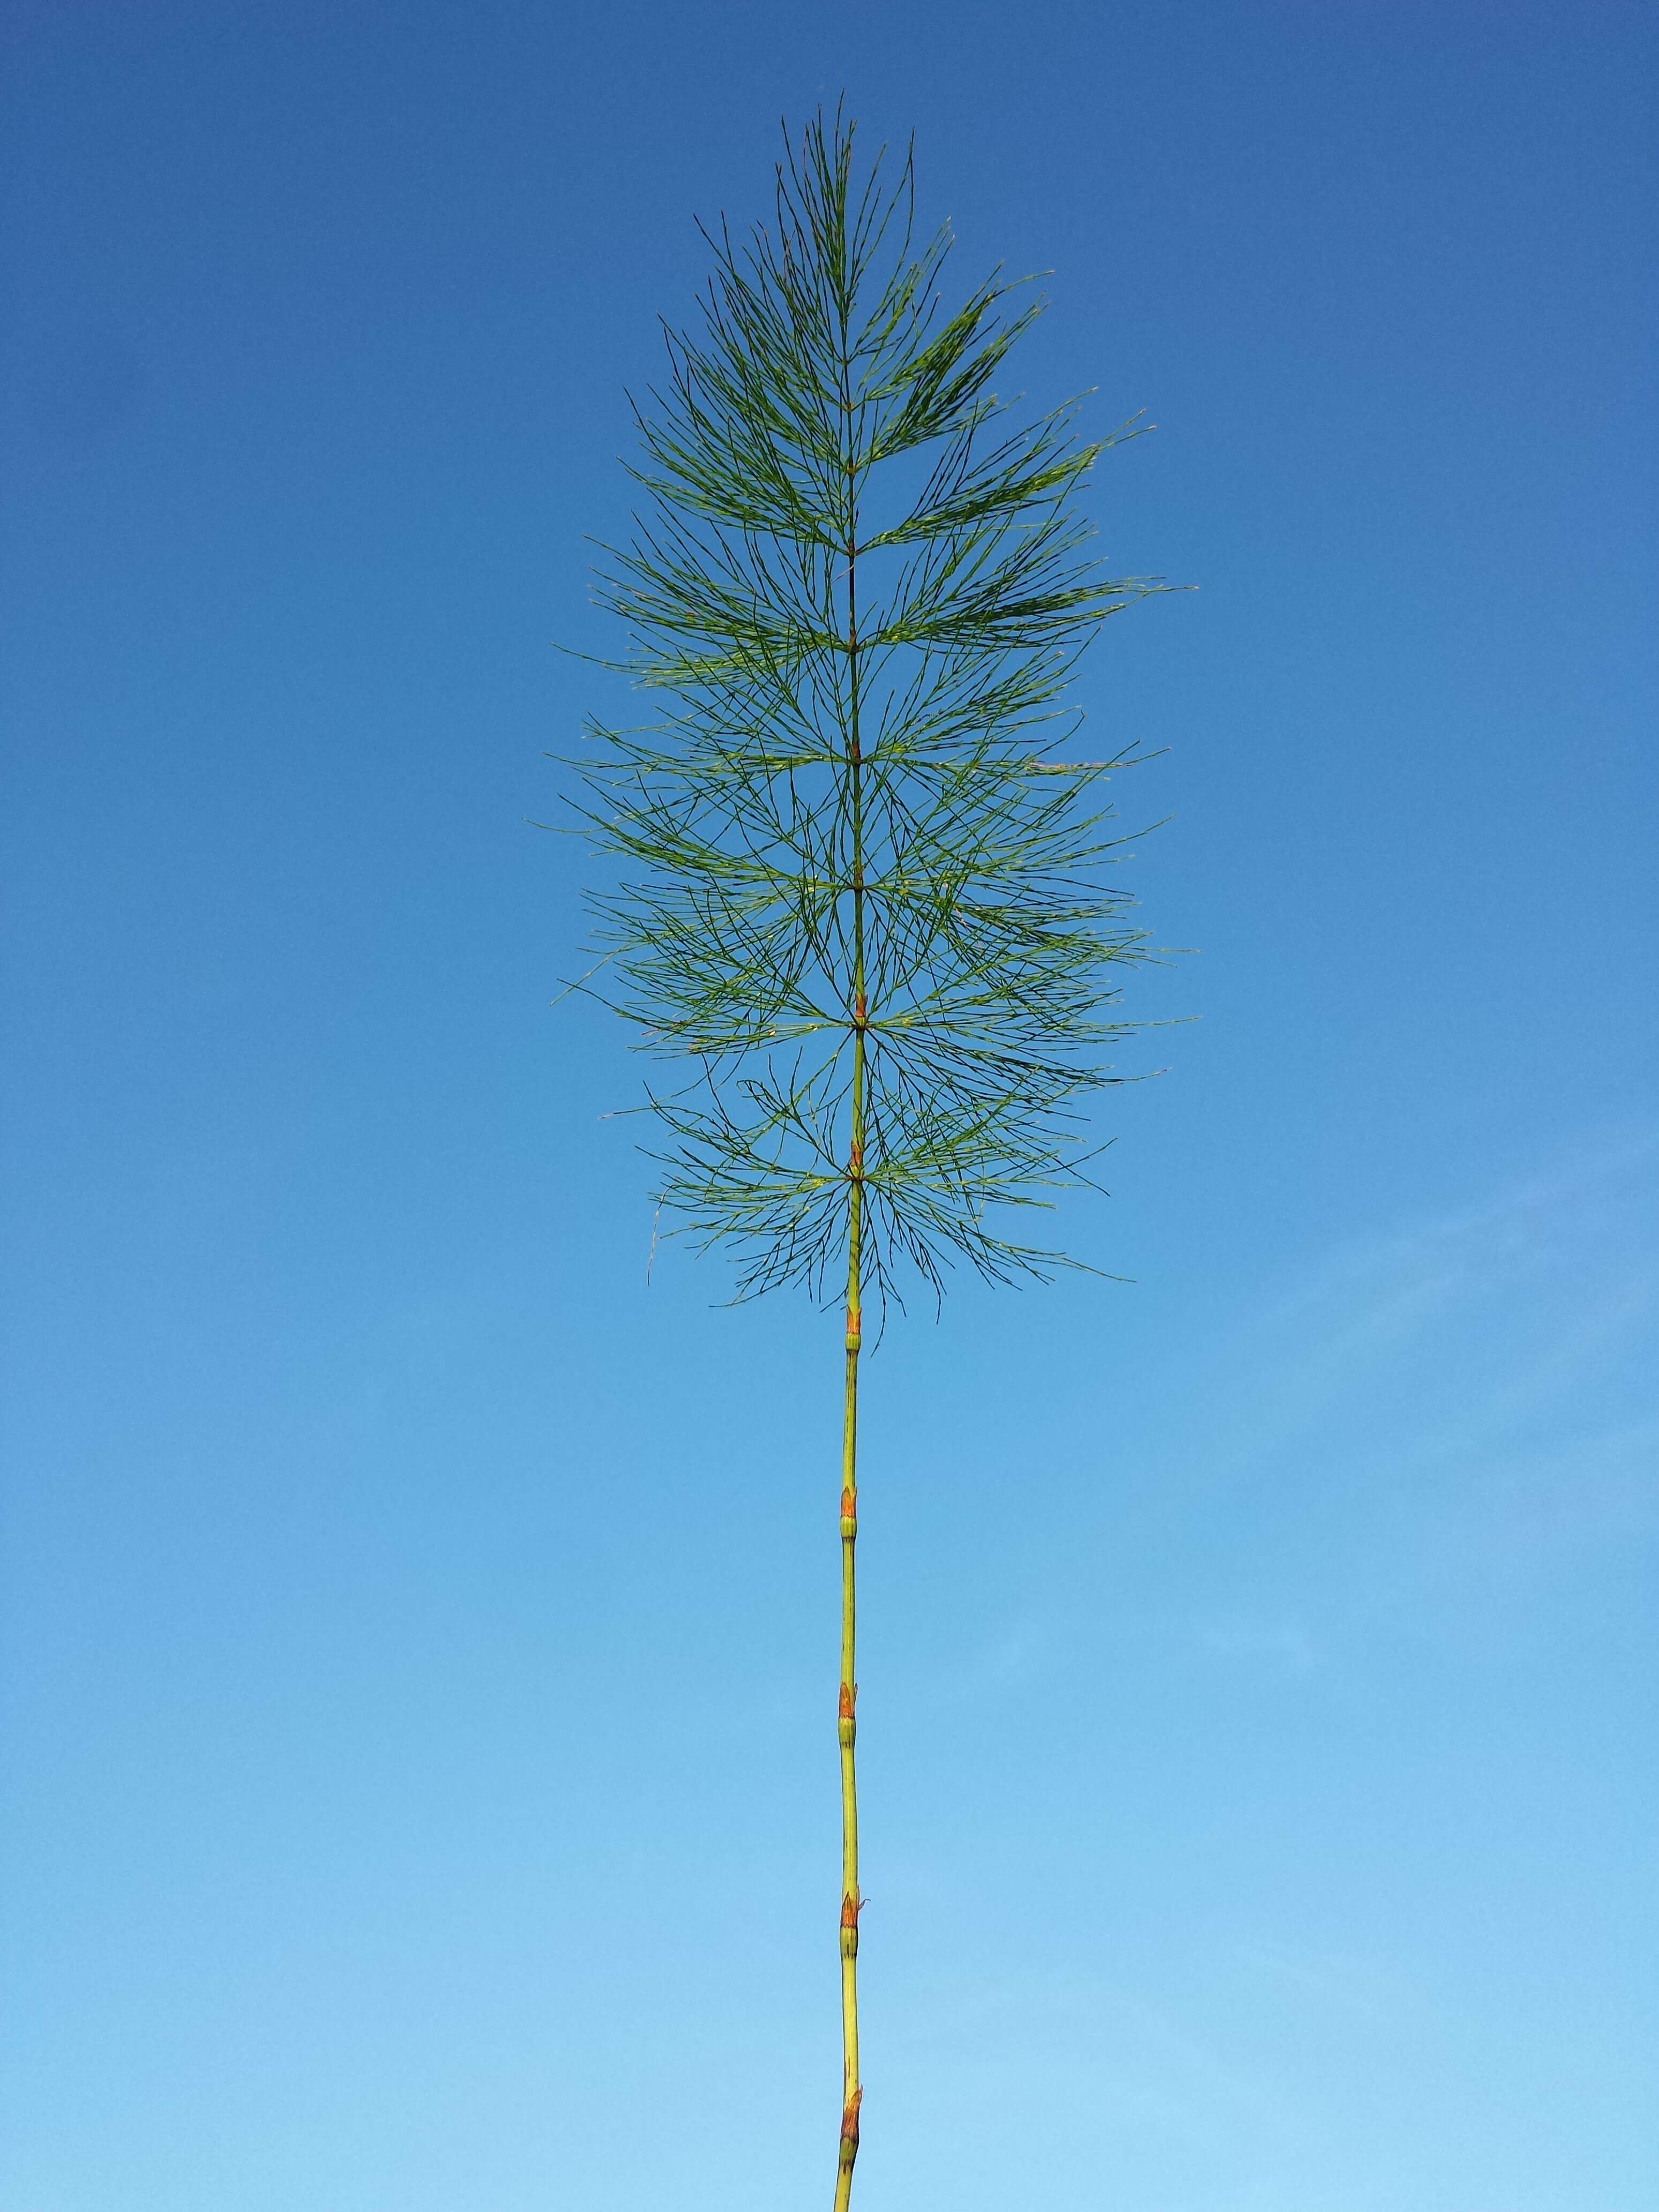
[847, 1729]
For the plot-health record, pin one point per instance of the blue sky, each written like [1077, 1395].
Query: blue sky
[419, 1647]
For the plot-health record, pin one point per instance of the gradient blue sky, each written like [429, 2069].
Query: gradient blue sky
[418, 1652]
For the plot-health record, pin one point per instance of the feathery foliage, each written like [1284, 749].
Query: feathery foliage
[859, 895]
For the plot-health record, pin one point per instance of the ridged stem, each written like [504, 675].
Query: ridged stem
[847, 1729]
[846, 1723]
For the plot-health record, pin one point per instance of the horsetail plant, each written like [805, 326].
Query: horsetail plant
[860, 904]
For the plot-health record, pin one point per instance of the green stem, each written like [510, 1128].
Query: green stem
[847, 1727]
[846, 1724]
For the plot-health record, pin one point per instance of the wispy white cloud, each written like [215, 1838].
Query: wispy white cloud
[1461, 1409]
[1457, 1325]
[1466, 1407]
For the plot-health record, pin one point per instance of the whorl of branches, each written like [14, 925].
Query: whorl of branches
[860, 585]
